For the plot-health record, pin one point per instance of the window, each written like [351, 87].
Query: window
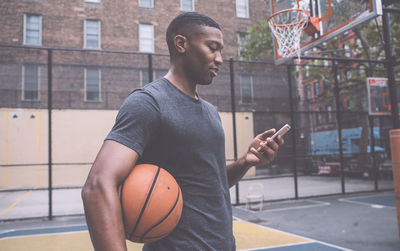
[327, 86]
[349, 74]
[246, 89]
[319, 115]
[308, 92]
[92, 84]
[144, 77]
[241, 36]
[146, 38]
[346, 49]
[92, 34]
[361, 70]
[30, 82]
[32, 29]
[316, 89]
[146, 3]
[242, 8]
[307, 70]
[329, 114]
[187, 5]
[359, 47]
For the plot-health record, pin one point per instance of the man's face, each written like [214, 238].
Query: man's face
[203, 55]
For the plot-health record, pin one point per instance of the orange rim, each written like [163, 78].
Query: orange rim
[291, 25]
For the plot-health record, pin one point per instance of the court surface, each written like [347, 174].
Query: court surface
[249, 236]
[353, 222]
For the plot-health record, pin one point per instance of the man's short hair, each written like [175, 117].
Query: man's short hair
[184, 24]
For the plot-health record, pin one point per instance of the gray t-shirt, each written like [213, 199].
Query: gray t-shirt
[184, 136]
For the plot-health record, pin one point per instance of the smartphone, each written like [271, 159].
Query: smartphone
[281, 132]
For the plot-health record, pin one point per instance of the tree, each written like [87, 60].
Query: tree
[363, 42]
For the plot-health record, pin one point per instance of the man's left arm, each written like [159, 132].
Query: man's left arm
[238, 169]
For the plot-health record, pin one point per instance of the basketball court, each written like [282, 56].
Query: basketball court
[311, 224]
[342, 222]
[249, 236]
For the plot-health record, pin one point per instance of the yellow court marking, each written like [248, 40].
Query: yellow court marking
[250, 236]
[16, 202]
[79, 241]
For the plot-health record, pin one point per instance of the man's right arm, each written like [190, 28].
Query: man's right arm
[100, 195]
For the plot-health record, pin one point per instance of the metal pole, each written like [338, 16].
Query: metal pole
[49, 108]
[233, 104]
[374, 167]
[339, 123]
[292, 121]
[150, 68]
[390, 62]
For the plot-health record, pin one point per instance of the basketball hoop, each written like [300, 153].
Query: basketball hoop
[287, 26]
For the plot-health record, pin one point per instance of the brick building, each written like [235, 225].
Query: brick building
[95, 30]
[93, 53]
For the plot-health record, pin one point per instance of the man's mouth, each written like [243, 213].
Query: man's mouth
[214, 72]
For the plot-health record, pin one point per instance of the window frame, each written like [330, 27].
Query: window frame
[241, 76]
[148, 7]
[317, 89]
[23, 98]
[241, 36]
[86, 82]
[85, 45]
[25, 29]
[141, 37]
[193, 7]
[247, 11]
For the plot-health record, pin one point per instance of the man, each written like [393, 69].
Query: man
[166, 123]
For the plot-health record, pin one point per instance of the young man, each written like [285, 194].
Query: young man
[167, 124]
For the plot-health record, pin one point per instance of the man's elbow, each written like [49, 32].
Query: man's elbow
[91, 189]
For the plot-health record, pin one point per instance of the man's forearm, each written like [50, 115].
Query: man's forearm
[104, 219]
[237, 170]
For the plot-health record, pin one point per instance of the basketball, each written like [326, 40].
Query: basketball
[151, 202]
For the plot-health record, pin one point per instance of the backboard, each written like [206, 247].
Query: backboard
[336, 17]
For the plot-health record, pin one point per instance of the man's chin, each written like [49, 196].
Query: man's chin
[205, 81]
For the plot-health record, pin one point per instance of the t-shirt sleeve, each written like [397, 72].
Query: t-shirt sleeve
[137, 121]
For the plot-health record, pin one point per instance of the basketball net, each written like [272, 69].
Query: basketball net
[287, 26]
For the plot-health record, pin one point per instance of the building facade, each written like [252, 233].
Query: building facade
[92, 54]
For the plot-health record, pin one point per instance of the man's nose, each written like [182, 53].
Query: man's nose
[218, 58]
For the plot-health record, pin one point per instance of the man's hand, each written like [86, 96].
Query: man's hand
[268, 146]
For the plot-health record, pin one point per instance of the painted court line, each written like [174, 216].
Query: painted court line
[14, 233]
[315, 204]
[373, 205]
[311, 246]
[16, 202]
[300, 246]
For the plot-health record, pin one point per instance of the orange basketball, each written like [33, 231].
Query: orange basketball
[151, 202]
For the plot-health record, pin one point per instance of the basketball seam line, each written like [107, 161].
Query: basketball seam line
[145, 203]
[166, 216]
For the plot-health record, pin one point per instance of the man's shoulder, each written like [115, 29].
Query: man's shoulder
[156, 87]
[149, 91]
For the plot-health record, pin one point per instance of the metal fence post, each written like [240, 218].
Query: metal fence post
[375, 170]
[233, 104]
[339, 123]
[293, 124]
[389, 64]
[49, 109]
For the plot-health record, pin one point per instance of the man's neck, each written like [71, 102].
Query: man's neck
[181, 82]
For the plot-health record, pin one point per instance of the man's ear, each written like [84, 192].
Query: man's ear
[181, 43]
